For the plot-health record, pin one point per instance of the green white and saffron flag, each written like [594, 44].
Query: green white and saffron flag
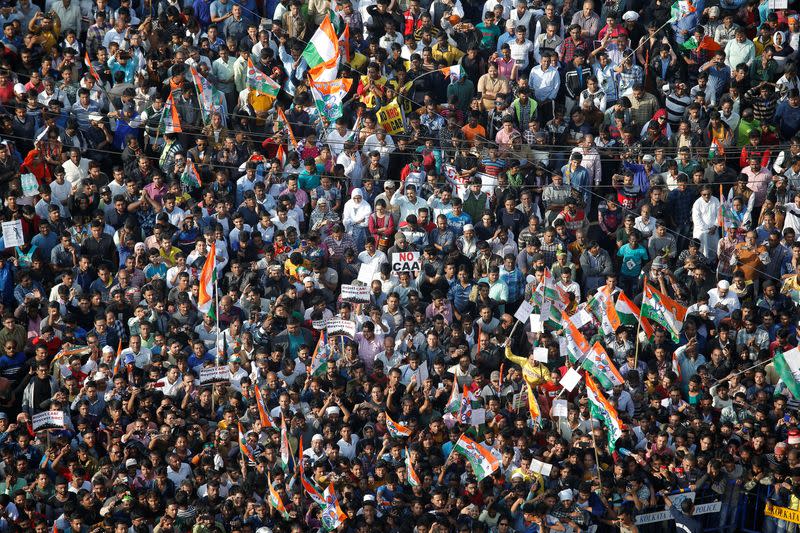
[787, 364]
[482, 461]
[322, 52]
[680, 9]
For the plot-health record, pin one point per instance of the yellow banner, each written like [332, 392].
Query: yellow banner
[782, 513]
[391, 118]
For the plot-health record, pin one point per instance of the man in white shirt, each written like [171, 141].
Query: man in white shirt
[544, 80]
[704, 218]
[722, 300]
[521, 49]
[337, 137]
[408, 204]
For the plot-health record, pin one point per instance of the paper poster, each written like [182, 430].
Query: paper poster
[48, 420]
[524, 311]
[536, 323]
[319, 325]
[215, 374]
[488, 183]
[339, 326]
[540, 354]
[562, 346]
[581, 318]
[570, 379]
[12, 233]
[406, 262]
[544, 310]
[559, 408]
[540, 467]
[357, 294]
[367, 272]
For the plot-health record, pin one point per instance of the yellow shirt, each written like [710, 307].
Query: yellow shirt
[169, 256]
[291, 269]
[532, 372]
[449, 56]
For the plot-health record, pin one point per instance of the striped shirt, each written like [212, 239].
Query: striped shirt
[676, 107]
[493, 167]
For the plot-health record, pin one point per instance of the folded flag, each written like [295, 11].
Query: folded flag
[275, 499]
[396, 430]
[411, 474]
[190, 176]
[170, 120]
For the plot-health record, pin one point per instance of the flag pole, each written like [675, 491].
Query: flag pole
[597, 459]
[639, 330]
[216, 316]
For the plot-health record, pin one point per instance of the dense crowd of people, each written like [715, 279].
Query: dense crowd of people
[401, 278]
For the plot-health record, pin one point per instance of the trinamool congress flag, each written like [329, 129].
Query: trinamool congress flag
[260, 82]
[396, 430]
[598, 364]
[601, 409]
[664, 310]
[211, 100]
[170, 120]
[275, 499]
[329, 96]
[411, 474]
[322, 52]
[482, 461]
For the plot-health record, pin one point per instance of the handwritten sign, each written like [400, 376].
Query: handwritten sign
[48, 420]
[215, 374]
[406, 262]
[357, 294]
[340, 326]
[537, 326]
[12, 233]
[524, 310]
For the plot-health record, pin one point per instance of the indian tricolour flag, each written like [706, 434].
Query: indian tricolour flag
[329, 96]
[455, 72]
[787, 364]
[602, 409]
[479, 456]
[260, 82]
[413, 478]
[454, 401]
[322, 53]
[629, 313]
[664, 310]
[208, 278]
[395, 429]
[598, 364]
[321, 356]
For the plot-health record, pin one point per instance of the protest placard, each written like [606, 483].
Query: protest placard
[340, 326]
[357, 294]
[48, 420]
[215, 374]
